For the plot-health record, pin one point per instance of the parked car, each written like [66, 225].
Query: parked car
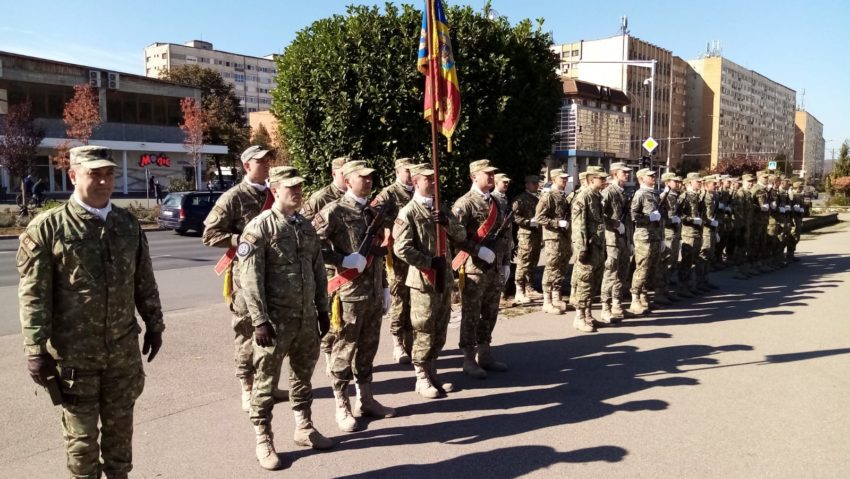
[186, 210]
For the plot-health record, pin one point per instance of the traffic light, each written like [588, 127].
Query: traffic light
[645, 162]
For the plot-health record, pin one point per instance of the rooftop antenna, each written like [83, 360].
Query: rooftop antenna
[624, 25]
[803, 101]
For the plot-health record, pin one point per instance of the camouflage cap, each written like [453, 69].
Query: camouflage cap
[733, 179]
[357, 168]
[784, 179]
[797, 184]
[481, 165]
[91, 156]
[502, 177]
[619, 166]
[747, 177]
[693, 177]
[254, 152]
[285, 175]
[404, 163]
[596, 171]
[670, 176]
[710, 179]
[762, 174]
[582, 176]
[423, 169]
[558, 173]
[532, 179]
[645, 172]
[337, 163]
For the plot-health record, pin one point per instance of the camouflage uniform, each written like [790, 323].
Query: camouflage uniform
[784, 223]
[618, 259]
[709, 236]
[506, 243]
[761, 212]
[647, 240]
[774, 225]
[588, 237]
[724, 216]
[81, 280]
[529, 239]
[692, 209]
[669, 258]
[571, 196]
[797, 212]
[551, 210]
[742, 214]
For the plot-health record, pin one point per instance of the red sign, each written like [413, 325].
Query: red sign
[147, 159]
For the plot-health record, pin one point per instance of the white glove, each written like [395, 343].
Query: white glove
[798, 209]
[621, 229]
[697, 221]
[355, 261]
[716, 236]
[722, 206]
[655, 216]
[667, 189]
[486, 254]
[563, 223]
[387, 300]
[506, 271]
[533, 222]
[782, 209]
[728, 209]
[714, 223]
[773, 205]
[765, 207]
[675, 219]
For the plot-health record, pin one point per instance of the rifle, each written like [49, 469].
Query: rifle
[491, 238]
[375, 227]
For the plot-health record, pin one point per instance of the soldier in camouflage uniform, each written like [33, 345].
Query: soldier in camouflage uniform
[529, 239]
[571, 196]
[481, 274]
[668, 204]
[761, 205]
[742, 220]
[415, 234]
[553, 215]
[723, 251]
[617, 233]
[506, 245]
[395, 197]
[709, 233]
[285, 288]
[774, 229]
[647, 239]
[588, 236]
[85, 268]
[318, 200]
[693, 213]
[222, 228]
[782, 186]
[341, 225]
[797, 212]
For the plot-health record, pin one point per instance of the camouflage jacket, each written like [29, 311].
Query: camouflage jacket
[320, 199]
[588, 225]
[644, 202]
[761, 197]
[471, 211]
[784, 201]
[742, 209]
[341, 225]
[232, 211]
[552, 208]
[616, 213]
[282, 271]
[81, 281]
[709, 201]
[525, 208]
[506, 245]
[394, 197]
[416, 243]
[691, 207]
[670, 206]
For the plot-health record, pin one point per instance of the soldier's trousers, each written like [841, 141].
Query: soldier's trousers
[616, 272]
[691, 244]
[774, 241]
[298, 340]
[646, 260]
[479, 307]
[706, 253]
[758, 242]
[741, 239]
[557, 258]
[243, 333]
[105, 392]
[399, 313]
[357, 342]
[429, 313]
[527, 257]
[668, 259]
[583, 277]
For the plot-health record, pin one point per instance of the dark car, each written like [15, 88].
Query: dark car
[186, 210]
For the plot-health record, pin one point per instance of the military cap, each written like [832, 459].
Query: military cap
[710, 178]
[747, 177]
[254, 152]
[502, 177]
[670, 176]
[423, 169]
[285, 175]
[481, 165]
[404, 163]
[761, 174]
[693, 176]
[337, 163]
[532, 179]
[645, 172]
[619, 166]
[596, 171]
[786, 179]
[558, 173]
[734, 179]
[358, 168]
[582, 176]
[91, 156]
[797, 184]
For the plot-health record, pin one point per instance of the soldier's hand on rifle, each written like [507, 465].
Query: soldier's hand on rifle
[563, 224]
[533, 223]
[355, 261]
[438, 263]
[440, 218]
[323, 322]
[486, 254]
[151, 344]
[675, 219]
[264, 335]
[714, 223]
[41, 367]
[655, 216]
[696, 221]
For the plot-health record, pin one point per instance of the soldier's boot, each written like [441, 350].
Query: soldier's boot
[345, 421]
[266, 454]
[548, 307]
[328, 363]
[606, 317]
[661, 298]
[636, 307]
[470, 366]
[400, 356]
[645, 302]
[617, 313]
[531, 294]
[247, 383]
[580, 322]
[424, 387]
[306, 435]
[520, 298]
[367, 405]
[557, 301]
[588, 316]
[487, 361]
[435, 379]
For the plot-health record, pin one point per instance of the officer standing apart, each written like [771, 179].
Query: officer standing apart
[647, 239]
[222, 229]
[415, 233]
[506, 243]
[342, 226]
[617, 233]
[85, 269]
[553, 215]
[481, 272]
[588, 235]
[529, 239]
[285, 288]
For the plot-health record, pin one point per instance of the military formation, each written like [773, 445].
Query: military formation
[310, 277]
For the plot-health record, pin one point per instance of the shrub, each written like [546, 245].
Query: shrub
[178, 183]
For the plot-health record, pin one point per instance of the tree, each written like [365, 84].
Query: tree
[82, 116]
[348, 85]
[841, 184]
[19, 144]
[194, 128]
[739, 165]
[842, 163]
[261, 137]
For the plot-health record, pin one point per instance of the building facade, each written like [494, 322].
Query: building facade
[252, 77]
[676, 131]
[140, 120]
[736, 112]
[594, 127]
[808, 147]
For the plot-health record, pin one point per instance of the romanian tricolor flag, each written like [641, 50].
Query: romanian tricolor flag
[437, 63]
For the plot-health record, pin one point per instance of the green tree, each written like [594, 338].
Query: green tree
[261, 137]
[842, 163]
[348, 85]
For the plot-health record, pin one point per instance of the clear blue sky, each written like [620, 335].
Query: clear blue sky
[797, 43]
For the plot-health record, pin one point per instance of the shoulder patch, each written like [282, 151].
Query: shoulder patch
[248, 238]
[399, 221]
[28, 242]
[218, 210]
[244, 249]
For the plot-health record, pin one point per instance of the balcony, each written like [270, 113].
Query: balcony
[55, 128]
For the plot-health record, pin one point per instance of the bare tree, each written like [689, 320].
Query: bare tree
[194, 128]
[19, 145]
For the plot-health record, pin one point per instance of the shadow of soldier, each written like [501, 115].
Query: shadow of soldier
[506, 462]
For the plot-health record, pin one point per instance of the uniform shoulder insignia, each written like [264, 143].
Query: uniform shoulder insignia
[399, 221]
[28, 242]
[244, 249]
[249, 238]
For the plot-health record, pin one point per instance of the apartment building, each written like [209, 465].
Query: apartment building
[808, 147]
[252, 77]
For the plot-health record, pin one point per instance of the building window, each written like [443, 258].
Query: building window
[239, 78]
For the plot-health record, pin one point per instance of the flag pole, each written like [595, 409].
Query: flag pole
[433, 69]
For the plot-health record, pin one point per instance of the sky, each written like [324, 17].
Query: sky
[800, 44]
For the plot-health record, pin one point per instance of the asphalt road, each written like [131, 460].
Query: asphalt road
[749, 381]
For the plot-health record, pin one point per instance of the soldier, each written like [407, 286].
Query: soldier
[742, 220]
[395, 197]
[285, 288]
[318, 200]
[529, 239]
[692, 209]
[481, 273]
[553, 215]
[577, 188]
[222, 229]
[782, 186]
[668, 203]
[588, 235]
[85, 269]
[415, 233]
[709, 233]
[506, 245]
[797, 212]
[617, 233]
[342, 225]
[647, 239]
[723, 250]
[761, 209]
